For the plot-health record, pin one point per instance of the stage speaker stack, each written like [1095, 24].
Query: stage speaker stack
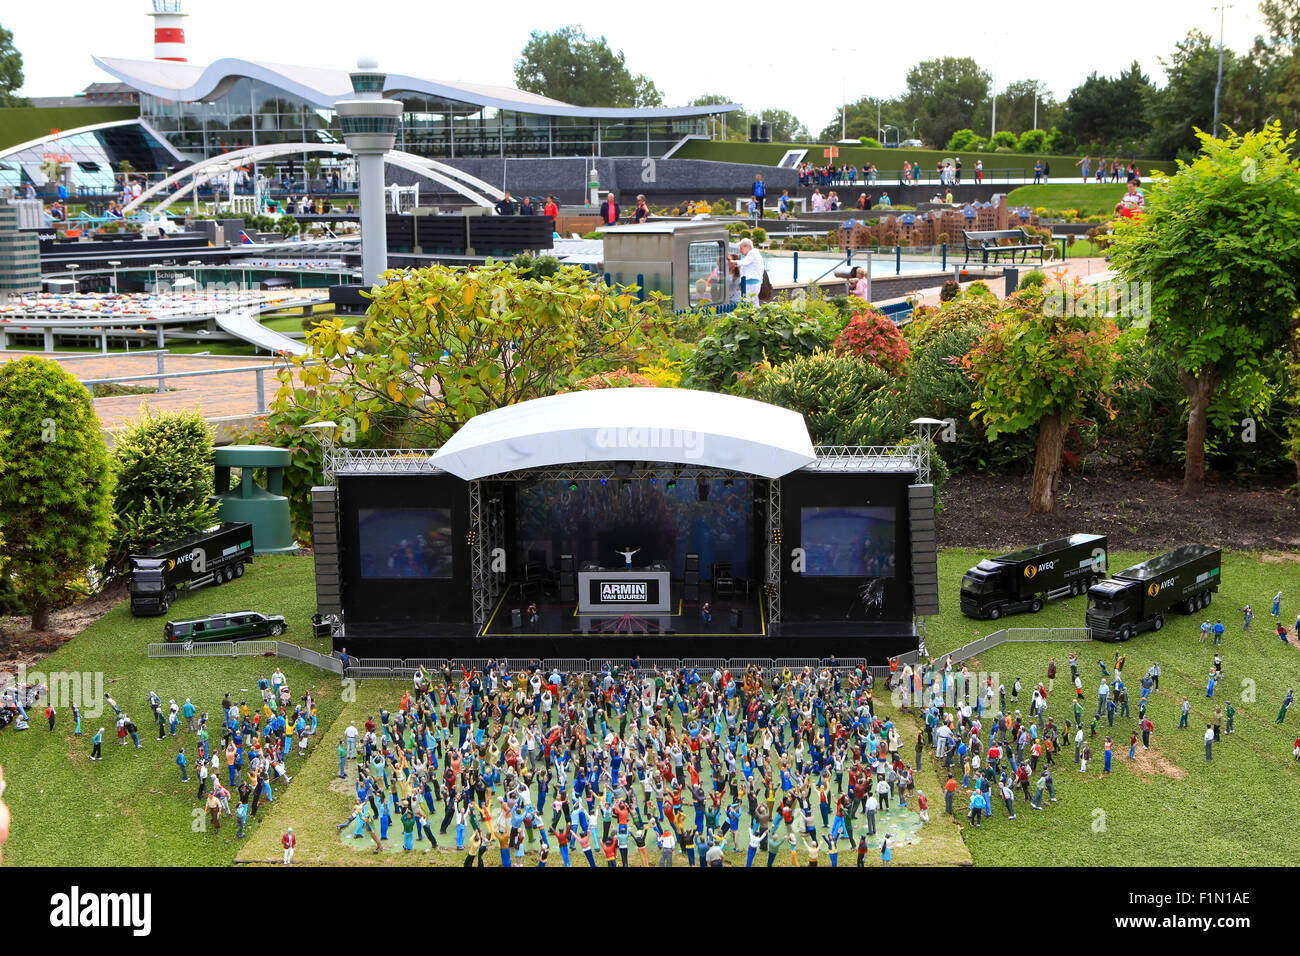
[568, 579]
[691, 580]
[737, 617]
[516, 618]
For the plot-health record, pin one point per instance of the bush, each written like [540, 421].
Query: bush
[1032, 141]
[738, 342]
[1003, 140]
[759, 236]
[979, 290]
[873, 338]
[163, 467]
[949, 290]
[964, 139]
[1032, 279]
[56, 484]
[869, 141]
[844, 400]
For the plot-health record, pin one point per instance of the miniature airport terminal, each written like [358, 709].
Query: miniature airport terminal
[367, 499]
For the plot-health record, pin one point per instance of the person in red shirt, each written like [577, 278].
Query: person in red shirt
[949, 789]
[290, 843]
[550, 208]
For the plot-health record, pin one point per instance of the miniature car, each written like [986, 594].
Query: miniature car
[231, 626]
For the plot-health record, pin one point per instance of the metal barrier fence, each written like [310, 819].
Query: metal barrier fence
[1011, 635]
[246, 649]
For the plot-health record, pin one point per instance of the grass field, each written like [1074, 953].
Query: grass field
[1171, 809]
[1091, 200]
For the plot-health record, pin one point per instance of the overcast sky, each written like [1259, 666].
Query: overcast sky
[687, 48]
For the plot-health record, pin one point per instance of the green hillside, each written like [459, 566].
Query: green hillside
[769, 154]
[28, 123]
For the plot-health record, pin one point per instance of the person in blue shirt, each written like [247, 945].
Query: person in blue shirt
[182, 763]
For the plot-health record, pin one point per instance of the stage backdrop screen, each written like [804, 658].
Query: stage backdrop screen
[405, 542]
[848, 542]
[594, 522]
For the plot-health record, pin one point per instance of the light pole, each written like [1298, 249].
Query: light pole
[369, 125]
[115, 263]
[1218, 82]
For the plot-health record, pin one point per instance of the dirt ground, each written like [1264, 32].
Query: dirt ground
[1150, 763]
[19, 644]
[1137, 512]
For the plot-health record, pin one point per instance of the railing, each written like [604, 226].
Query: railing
[184, 649]
[1010, 635]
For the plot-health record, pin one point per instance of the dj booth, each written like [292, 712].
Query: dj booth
[624, 589]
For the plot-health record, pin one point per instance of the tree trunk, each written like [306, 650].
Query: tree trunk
[41, 614]
[1200, 389]
[1047, 464]
[1294, 374]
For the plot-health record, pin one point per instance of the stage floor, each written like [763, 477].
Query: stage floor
[686, 620]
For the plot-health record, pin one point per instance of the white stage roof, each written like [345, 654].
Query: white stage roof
[671, 425]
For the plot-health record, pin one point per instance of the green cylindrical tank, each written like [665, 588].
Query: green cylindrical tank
[264, 508]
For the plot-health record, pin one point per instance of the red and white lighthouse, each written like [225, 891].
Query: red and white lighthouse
[168, 32]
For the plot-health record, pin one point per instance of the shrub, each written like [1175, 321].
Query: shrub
[618, 378]
[979, 290]
[844, 400]
[741, 340]
[873, 338]
[163, 467]
[869, 141]
[1033, 278]
[949, 290]
[1032, 141]
[759, 236]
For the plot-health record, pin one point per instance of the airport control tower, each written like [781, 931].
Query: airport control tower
[369, 125]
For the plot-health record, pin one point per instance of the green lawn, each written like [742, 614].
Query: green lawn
[1091, 200]
[1224, 813]
[132, 809]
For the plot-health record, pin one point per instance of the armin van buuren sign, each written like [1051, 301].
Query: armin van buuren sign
[624, 592]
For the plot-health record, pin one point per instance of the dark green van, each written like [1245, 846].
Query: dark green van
[232, 626]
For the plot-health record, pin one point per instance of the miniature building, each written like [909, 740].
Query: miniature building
[20, 256]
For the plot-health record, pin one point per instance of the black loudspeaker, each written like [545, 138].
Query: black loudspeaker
[692, 564]
[568, 592]
[691, 592]
[566, 562]
[692, 576]
[737, 617]
[516, 618]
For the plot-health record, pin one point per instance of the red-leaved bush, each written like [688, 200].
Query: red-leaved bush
[872, 337]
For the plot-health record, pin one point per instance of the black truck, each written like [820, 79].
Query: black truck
[1137, 598]
[213, 556]
[1024, 580]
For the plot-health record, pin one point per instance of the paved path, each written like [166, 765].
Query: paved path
[217, 396]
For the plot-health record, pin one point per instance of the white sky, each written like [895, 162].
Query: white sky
[687, 48]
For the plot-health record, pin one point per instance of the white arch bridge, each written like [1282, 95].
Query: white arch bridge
[471, 187]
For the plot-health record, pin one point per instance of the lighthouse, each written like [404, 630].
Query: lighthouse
[168, 33]
[369, 123]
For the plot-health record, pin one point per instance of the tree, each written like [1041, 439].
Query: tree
[1037, 368]
[441, 345]
[965, 140]
[1186, 102]
[55, 483]
[1219, 246]
[735, 120]
[1016, 107]
[944, 95]
[568, 65]
[861, 116]
[11, 71]
[162, 466]
[786, 127]
[1108, 111]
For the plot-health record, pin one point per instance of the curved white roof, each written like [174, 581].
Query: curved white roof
[671, 425]
[189, 82]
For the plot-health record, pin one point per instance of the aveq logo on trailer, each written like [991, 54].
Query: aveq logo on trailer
[1032, 570]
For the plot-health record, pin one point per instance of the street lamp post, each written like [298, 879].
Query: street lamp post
[115, 263]
[1218, 82]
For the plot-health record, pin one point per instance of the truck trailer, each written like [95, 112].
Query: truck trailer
[214, 556]
[1137, 598]
[1024, 580]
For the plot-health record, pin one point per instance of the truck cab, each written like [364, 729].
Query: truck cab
[149, 591]
[984, 589]
[1114, 609]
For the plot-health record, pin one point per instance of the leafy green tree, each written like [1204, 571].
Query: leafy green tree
[11, 71]
[1016, 107]
[860, 120]
[1108, 110]
[1219, 245]
[1277, 60]
[944, 95]
[1186, 102]
[568, 65]
[56, 484]
[965, 139]
[441, 345]
[1037, 367]
[1032, 141]
[162, 466]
